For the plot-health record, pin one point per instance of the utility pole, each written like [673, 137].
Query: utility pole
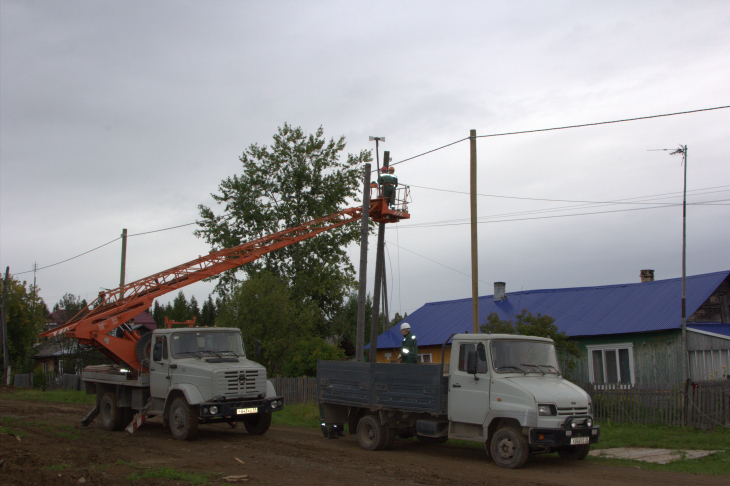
[6, 356]
[474, 247]
[124, 263]
[379, 264]
[685, 355]
[682, 150]
[362, 287]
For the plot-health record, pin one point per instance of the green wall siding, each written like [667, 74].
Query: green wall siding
[656, 355]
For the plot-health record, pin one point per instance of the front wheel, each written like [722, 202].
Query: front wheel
[509, 448]
[258, 424]
[575, 453]
[183, 419]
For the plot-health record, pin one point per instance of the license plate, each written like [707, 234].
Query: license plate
[241, 411]
[580, 440]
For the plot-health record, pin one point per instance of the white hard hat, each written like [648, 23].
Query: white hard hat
[405, 325]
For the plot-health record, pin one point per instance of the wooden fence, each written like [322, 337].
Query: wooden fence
[704, 405]
[296, 390]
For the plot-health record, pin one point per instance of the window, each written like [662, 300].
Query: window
[424, 358]
[612, 363]
[481, 355]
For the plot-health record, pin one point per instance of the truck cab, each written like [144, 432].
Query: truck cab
[508, 390]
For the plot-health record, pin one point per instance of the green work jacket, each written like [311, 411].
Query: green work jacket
[409, 349]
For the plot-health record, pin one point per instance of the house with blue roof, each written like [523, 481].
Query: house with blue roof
[628, 333]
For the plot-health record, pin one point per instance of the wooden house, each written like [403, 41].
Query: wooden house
[628, 333]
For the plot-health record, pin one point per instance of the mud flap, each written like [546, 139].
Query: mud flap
[90, 418]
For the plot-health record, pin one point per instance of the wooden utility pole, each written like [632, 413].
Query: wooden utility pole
[362, 288]
[474, 247]
[379, 264]
[685, 354]
[124, 262]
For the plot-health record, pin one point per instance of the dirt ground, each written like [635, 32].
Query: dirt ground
[57, 450]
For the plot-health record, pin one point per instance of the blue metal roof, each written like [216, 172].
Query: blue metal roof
[582, 311]
[721, 329]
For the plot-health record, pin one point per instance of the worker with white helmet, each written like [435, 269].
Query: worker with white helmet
[409, 347]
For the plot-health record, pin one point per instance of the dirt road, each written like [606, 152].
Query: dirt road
[57, 450]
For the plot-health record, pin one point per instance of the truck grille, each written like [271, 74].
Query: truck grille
[241, 383]
[573, 411]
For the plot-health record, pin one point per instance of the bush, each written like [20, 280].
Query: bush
[39, 378]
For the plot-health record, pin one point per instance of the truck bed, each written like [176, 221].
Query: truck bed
[402, 387]
[113, 375]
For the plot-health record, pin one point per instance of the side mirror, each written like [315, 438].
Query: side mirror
[471, 363]
[258, 348]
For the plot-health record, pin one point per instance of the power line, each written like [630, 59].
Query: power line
[427, 225]
[72, 258]
[164, 229]
[562, 128]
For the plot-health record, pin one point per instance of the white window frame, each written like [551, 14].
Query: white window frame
[611, 347]
[430, 358]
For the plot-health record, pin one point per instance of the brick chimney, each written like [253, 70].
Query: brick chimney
[500, 292]
[647, 276]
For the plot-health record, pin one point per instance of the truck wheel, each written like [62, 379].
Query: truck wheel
[370, 433]
[575, 453]
[112, 417]
[183, 419]
[257, 424]
[509, 448]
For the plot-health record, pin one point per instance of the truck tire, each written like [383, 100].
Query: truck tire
[183, 419]
[575, 453]
[112, 417]
[257, 424]
[509, 448]
[371, 434]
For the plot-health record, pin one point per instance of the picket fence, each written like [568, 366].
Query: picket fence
[296, 390]
[704, 405]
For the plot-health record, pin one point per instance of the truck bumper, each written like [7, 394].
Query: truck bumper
[564, 437]
[237, 411]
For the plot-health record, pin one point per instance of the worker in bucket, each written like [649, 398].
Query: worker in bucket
[388, 182]
[409, 347]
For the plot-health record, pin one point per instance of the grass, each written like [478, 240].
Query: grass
[171, 475]
[305, 415]
[64, 396]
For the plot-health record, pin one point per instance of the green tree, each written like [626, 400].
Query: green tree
[25, 315]
[527, 324]
[263, 308]
[208, 313]
[303, 361]
[180, 308]
[69, 306]
[158, 314]
[298, 178]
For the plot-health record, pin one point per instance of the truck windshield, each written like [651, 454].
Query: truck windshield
[206, 343]
[524, 356]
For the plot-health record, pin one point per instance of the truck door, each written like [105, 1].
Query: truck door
[159, 368]
[469, 393]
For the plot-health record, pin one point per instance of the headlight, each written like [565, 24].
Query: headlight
[214, 410]
[546, 410]
[589, 422]
[573, 423]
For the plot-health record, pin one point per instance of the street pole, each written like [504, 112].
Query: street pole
[685, 356]
[474, 247]
[362, 287]
[124, 263]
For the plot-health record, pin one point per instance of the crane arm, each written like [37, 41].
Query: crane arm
[115, 307]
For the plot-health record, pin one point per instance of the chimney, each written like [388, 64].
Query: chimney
[499, 291]
[647, 275]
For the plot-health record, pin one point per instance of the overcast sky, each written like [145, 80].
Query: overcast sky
[128, 114]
